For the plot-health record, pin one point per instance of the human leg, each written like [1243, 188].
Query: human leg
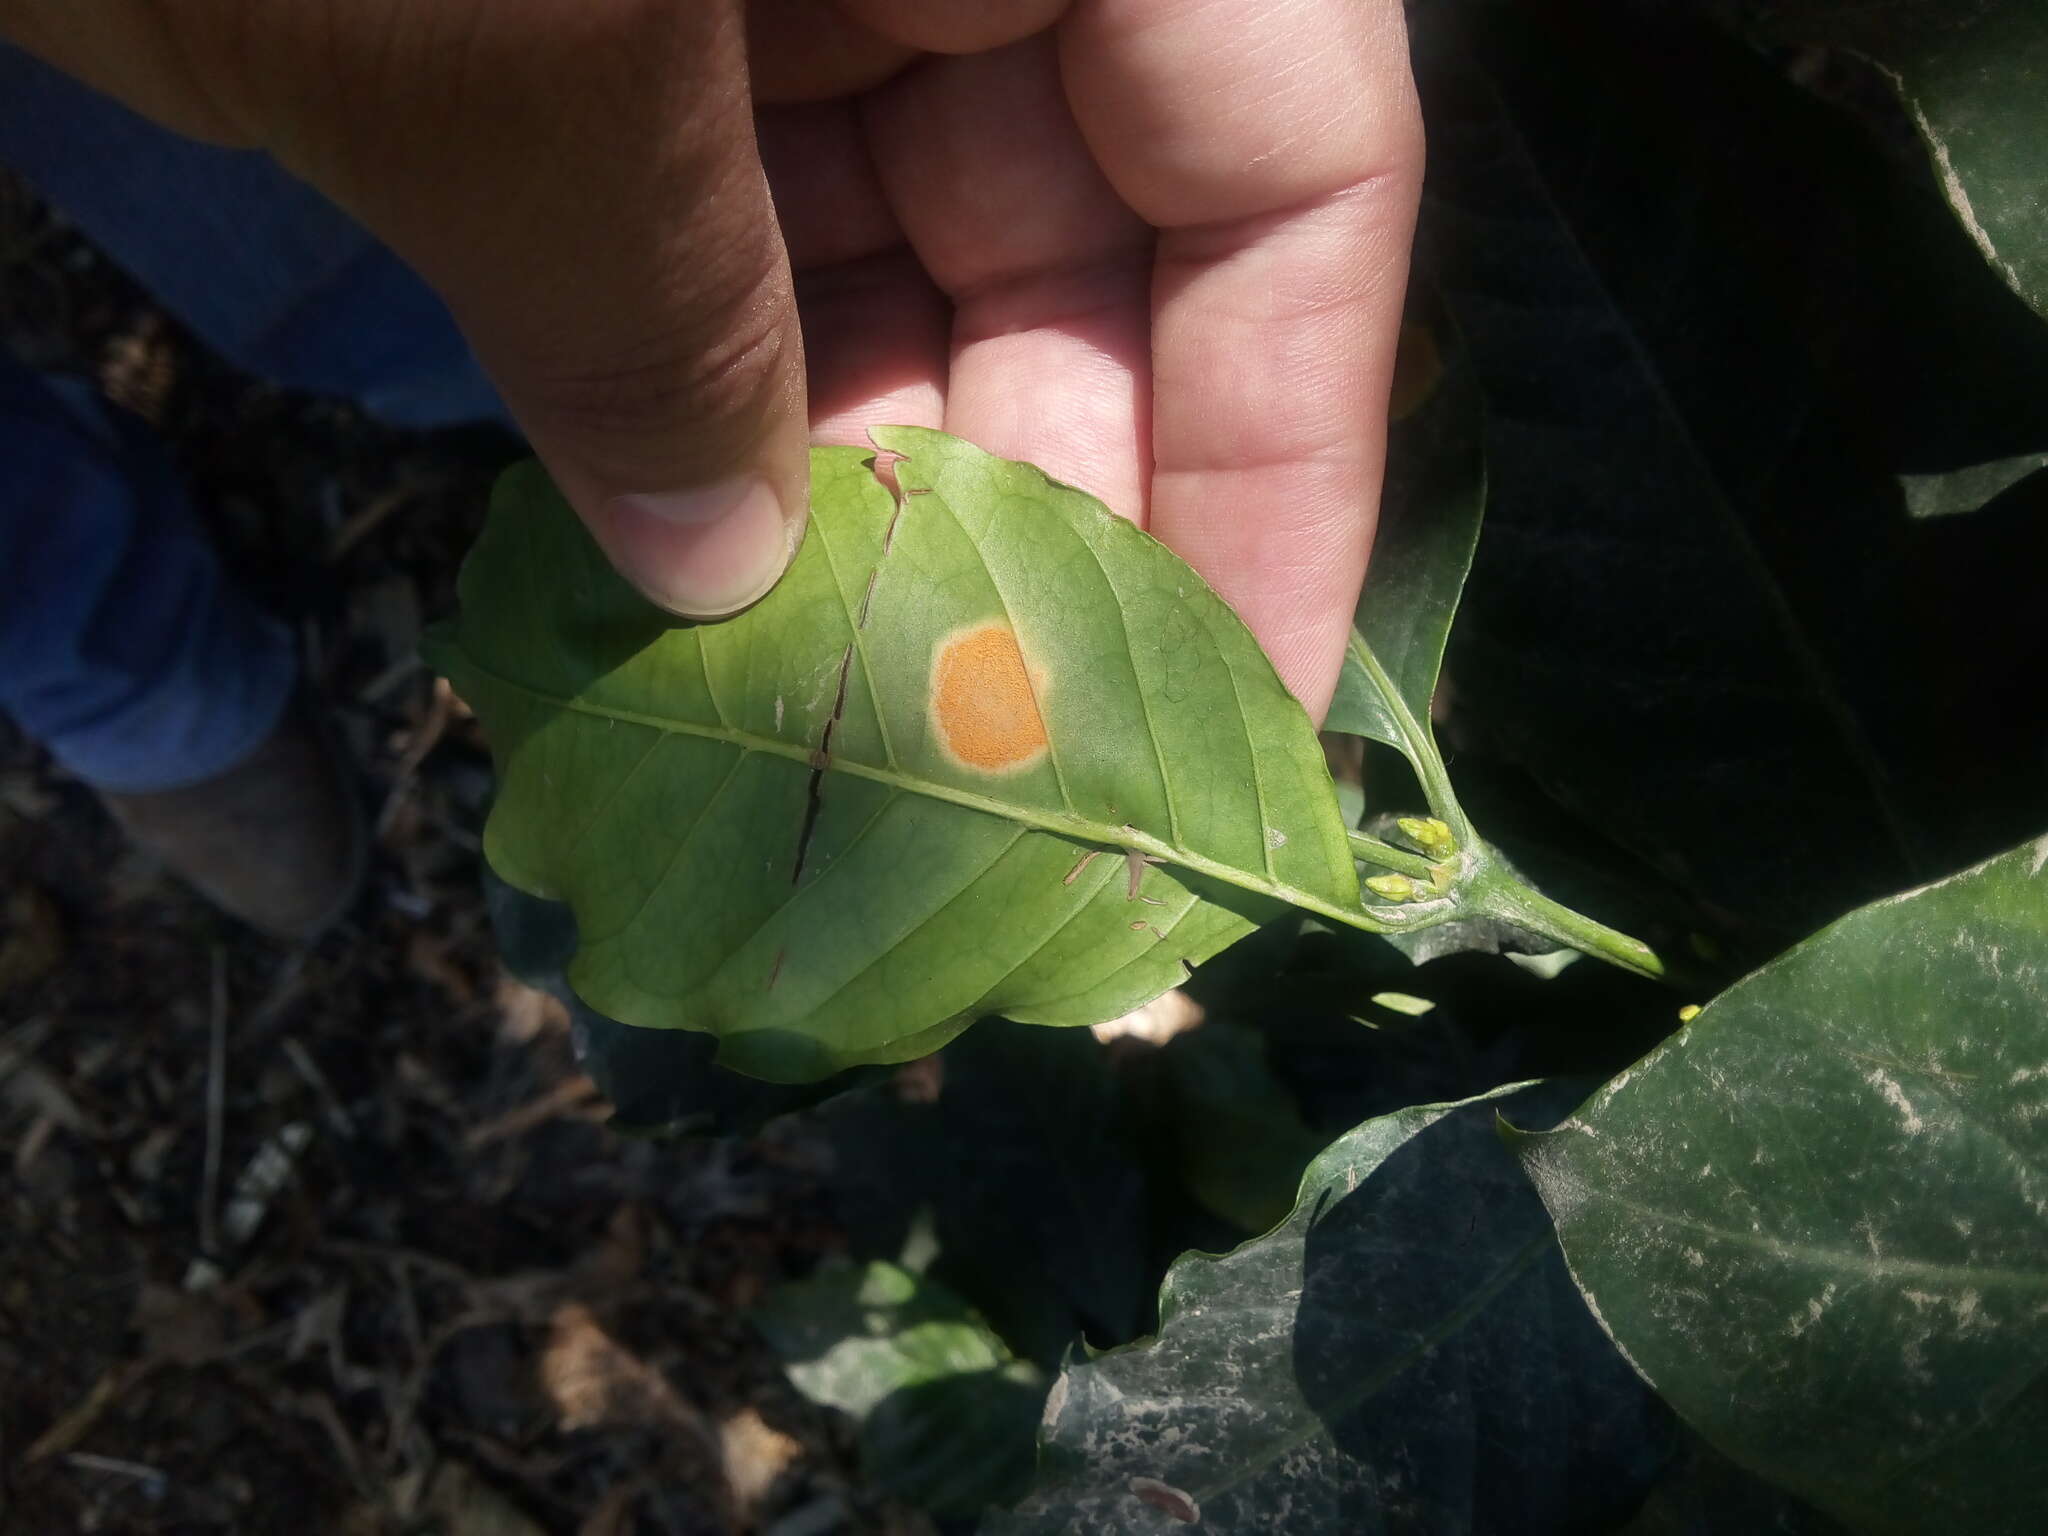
[122, 647]
[124, 650]
[268, 273]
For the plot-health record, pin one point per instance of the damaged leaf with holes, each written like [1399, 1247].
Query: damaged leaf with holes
[837, 828]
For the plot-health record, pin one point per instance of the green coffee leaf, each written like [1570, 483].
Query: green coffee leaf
[1661, 629]
[662, 1082]
[1817, 1218]
[1705, 1494]
[1967, 489]
[1430, 512]
[1974, 75]
[1402, 1353]
[1233, 1131]
[1050, 1222]
[945, 1411]
[986, 749]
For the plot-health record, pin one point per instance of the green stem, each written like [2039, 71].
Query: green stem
[1387, 856]
[1500, 895]
[1421, 750]
[1478, 885]
[1482, 887]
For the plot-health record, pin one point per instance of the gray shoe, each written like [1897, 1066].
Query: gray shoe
[278, 840]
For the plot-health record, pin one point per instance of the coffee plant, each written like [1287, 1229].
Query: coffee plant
[1602, 1083]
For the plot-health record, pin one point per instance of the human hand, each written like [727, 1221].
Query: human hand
[1155, 246]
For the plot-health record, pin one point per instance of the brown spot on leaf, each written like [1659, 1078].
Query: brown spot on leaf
[983, 701]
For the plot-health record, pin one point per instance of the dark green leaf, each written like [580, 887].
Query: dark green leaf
[1046, 1221]
[1235, 1131]
[1402, 1354]
[1824, 195]
[1966, 490]
[1663, 626]
[946, 1413]
[1705, 1494]
[1974, 74]
[1430, 511]
[1817, 1219]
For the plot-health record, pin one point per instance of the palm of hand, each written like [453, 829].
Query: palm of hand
[1083, 250]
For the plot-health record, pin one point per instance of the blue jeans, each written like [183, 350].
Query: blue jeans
[122, 647]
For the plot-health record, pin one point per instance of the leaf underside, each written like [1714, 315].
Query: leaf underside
[840, 826]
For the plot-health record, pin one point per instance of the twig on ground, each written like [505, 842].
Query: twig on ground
[367, 519]
[216, 1104]
[425, 737]
[284, 991]
[155, 1478]
[565, 1098]
[319, 1407]
[303, 1063]
[77, 1422]
[390, 1253]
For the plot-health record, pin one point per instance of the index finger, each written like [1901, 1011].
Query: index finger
[1276, 146]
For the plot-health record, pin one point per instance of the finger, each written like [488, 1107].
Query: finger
[1047, 270]
[1276, 144]
[874, 325]
[581, 184]
[809, 50]
[949, 26]
[126, 49]
[617, 265]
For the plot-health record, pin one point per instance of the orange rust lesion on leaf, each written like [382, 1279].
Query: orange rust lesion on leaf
[984, 700]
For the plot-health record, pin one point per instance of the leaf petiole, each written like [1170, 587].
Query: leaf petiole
[1419, 746]
[1387, 856]
[1495, 893]
[1471, 877]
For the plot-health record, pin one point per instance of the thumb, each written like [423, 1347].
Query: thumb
[616, 263]
[579, 180]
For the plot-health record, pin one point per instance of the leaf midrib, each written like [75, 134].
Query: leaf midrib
[1069, 825]
[1822, 1256]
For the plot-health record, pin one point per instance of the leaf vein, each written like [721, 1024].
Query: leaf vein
[1071, 825]
[1847, 1260]
[859, 643]
[1108, 873]
[793, 897]
[928, 919]
[1145, 703]
[1052, 754]
[675, 857]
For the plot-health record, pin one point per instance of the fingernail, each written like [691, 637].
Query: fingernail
[703, 553]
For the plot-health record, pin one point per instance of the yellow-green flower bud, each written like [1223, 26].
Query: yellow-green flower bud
[1429, 833]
